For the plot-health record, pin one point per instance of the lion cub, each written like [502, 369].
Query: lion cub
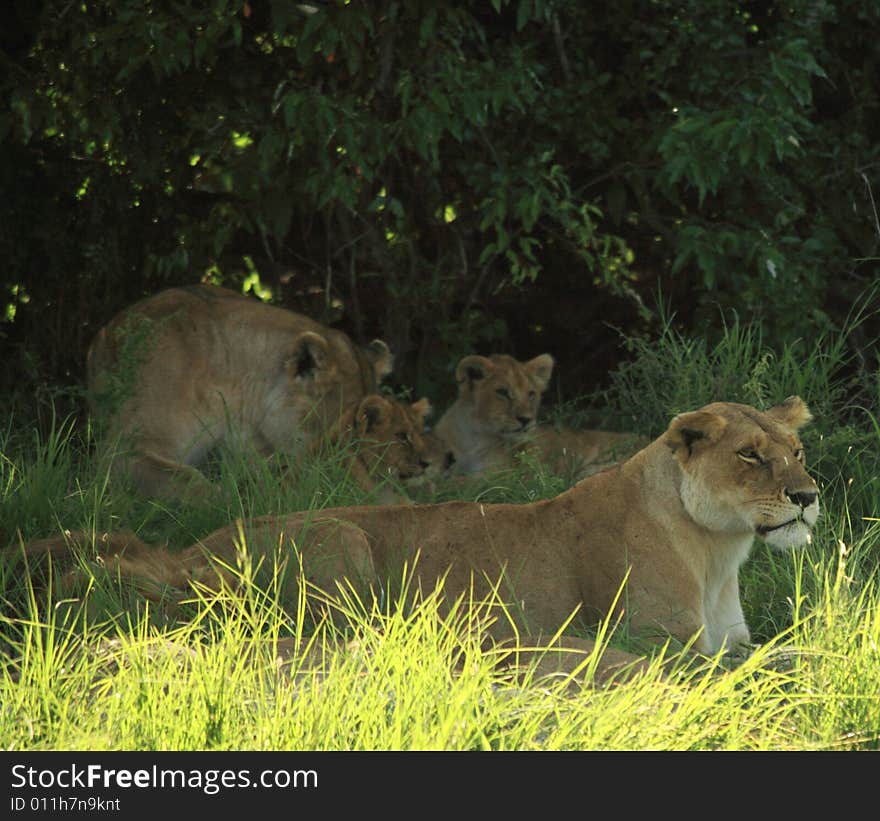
[494, 419]
[385, 442]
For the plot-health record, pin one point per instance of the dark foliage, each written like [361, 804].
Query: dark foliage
[523, 175]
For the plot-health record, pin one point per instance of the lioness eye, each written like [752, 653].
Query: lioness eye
[800, 455]
[532, 394]
[503, 392]
[751, 456]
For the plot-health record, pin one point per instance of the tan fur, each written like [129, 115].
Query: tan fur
[493, 421]
[578, 453]
[497, 404]
[385, 439]
[212, 365]
[675, 521]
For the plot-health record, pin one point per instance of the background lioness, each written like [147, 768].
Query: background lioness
[494, 418]
[181, 371]
[672, 525]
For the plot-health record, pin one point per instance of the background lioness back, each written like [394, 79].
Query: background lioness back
[181, 371]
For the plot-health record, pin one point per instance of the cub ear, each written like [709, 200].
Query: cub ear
[422, 409]
[540, 369]
[688, 430]
[372, 410]
[793, 413]
[473, 368]
[381, 358]
[310, 353]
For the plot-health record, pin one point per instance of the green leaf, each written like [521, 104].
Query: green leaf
[286, 15]
[523, 13]
[290, 108]
[615, 197]
[307, 42]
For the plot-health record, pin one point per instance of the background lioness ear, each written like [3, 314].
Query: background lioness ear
[381, 358]
[309, 354]
[540, 369]
[472, 368]
[793, 413]
[370, 413]
[688, 430]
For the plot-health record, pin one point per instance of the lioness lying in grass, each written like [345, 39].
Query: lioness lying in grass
[671, 525]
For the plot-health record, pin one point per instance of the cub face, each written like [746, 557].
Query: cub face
[391, 439]
[437, 454]
[503, 394]
[743, 471]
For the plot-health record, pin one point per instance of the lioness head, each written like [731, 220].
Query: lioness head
[743, 470]
[329, 372]
[503, 393]
[390, 437]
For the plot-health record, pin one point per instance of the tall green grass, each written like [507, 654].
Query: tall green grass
[100, 667]
[236, 676]
[674, 373]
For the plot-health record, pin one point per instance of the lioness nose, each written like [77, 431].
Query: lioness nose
[524, 421]
[802, 499]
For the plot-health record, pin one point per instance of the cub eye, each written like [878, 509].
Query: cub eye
[532, 394]
[503, 393]
[404, 437]
[751, 456]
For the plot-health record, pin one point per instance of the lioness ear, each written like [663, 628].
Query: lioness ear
[793, 413]
[687, 430]
[310, 353]
[540, 369]
[421, 408]
[381, 358]
[370, 413]
[472, 369]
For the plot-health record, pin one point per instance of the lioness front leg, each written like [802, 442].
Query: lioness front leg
[156, 475]
[729, 622]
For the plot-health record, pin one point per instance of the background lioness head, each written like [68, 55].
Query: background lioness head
[326, 373]
[502, 394]
[743, 470]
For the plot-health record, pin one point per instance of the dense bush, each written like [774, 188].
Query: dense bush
[452, 176]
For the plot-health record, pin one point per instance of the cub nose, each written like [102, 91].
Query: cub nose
[804, 499]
